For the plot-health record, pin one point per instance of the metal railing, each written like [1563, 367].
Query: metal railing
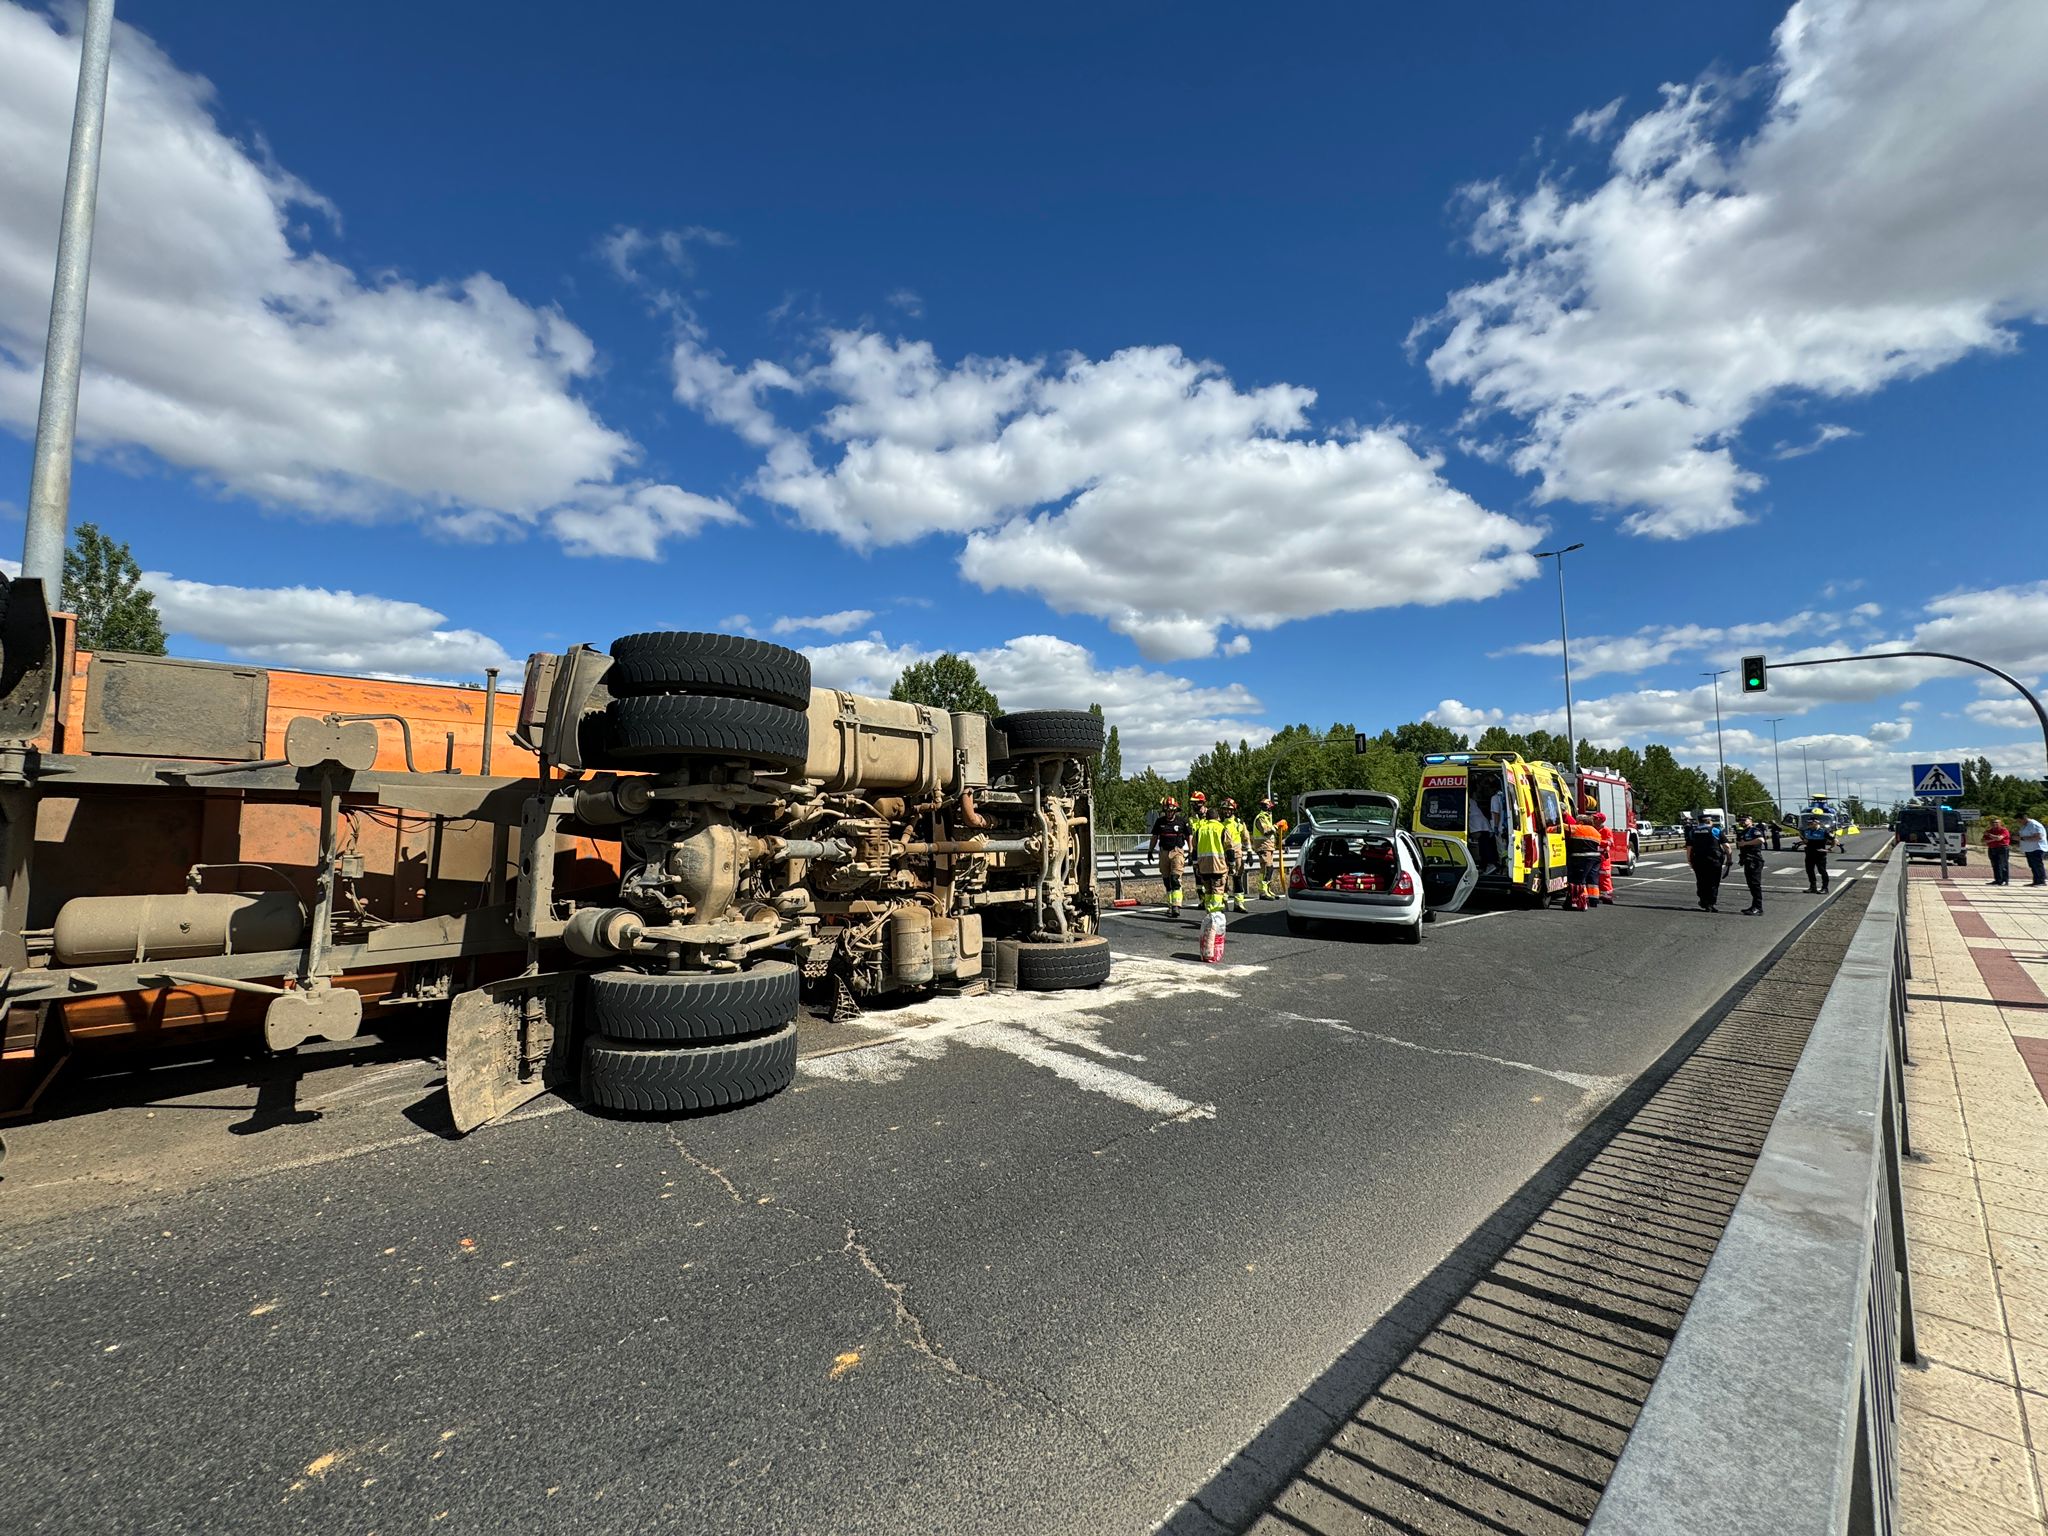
[1776, 1409]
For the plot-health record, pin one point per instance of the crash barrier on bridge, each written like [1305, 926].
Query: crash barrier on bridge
[1776, 1409]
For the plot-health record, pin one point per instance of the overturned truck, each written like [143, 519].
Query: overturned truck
[694, 840]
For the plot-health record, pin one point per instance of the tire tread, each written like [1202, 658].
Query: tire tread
[692, 661]
[642, 1080]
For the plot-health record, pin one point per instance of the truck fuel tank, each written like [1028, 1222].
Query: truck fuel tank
[863, 743]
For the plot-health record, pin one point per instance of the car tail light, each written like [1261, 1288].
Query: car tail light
[1296, 880]
[1529, 849]
[1404, 884]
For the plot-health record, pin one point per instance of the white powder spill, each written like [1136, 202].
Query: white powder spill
[1586, 1082]
[1045, 1029]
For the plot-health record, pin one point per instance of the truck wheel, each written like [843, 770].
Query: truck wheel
[672, 725]
[1059, 967]
[728, 666]
[642, 1079]
[1052, 732]
[699, 1007]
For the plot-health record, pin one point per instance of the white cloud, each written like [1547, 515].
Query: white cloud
[1890, 732]
[1887, 216]
[825, 623]
[1069, 479]
[222, 343]
[627, 249]
[1658, 644]
[1239, 645]
[2008, 714]
[316, 629]
[908, 301]
[1598, 122]
[1162, 720]
[634, 520]
[1830, 432]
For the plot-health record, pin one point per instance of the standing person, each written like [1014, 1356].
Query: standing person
[1708, 856]
[1749, 844]
[1606, 858]
[2032, 838]
[1211, 864]
[1998, 849]
[1482, 832]
[1582, 844]
[1818, 840]
[1237, 854]
[1266, 833]
[1170, 844]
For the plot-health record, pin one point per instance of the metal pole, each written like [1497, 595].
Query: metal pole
[49, 486]
[1565, 643]
[1720, 752]
[1777, 773]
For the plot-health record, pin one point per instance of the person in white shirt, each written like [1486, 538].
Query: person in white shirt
[2031, 838]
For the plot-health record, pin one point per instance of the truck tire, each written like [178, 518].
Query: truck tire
[700, 1007]
[654, 1080]
[1060, 967]
[1053, 732]
[673, 725]
[725, 666]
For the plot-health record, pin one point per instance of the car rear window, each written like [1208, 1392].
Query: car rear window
[1443, 810]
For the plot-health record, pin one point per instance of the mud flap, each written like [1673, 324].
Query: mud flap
[501, 1053]
[330, 1013]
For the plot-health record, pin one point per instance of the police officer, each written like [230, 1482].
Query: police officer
[1211, 861]
[1170, 845]
[1817, 840]
[1266, 834]
[1749, 847]
[1237, 853]
[1708, 856]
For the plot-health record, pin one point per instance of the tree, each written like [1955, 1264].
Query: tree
[947, 682]
[103, 586]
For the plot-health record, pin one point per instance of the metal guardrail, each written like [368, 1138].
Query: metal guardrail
[1776, 1410]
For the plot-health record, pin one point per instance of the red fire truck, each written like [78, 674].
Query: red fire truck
[1610, 793]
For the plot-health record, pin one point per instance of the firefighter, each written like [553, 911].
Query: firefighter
[1237, 853]
[1211, 863]
[1582, 844]
[1605, 893]
[1170, 845]
[1266, 834]
[1708, 855]
[1749, 844]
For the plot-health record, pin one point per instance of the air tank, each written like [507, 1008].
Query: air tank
[910, 946]
[116, 930]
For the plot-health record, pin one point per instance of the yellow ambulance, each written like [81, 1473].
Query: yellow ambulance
[1508, 810]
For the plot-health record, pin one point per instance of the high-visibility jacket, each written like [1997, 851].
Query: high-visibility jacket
[1236, 834]
[1263, 828]
[1209, 839]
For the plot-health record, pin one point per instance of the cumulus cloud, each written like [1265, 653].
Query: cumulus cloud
[224, 344]
[1162, 720]
[1069, 479]
[1887, 216]
[318, 629]
[825, 623]
[1658, 644]
[1890, 732]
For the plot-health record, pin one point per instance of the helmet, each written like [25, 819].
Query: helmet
[1168, 803]
[1198, 798]
[1266, 805]
[1229, 804]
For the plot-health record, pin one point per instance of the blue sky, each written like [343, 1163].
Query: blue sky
[1226, 372]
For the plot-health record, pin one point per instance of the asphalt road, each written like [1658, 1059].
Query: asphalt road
[1032, 1263]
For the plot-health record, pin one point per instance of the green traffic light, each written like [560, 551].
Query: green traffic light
[1755, 677]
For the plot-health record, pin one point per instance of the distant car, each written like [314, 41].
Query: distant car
[1357, 864]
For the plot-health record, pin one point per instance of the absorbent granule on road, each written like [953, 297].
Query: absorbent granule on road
[1550, 1324]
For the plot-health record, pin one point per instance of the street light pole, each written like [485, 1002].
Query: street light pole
[1720, 752]
[1564, 640]
[1777, 774]
[49, 484]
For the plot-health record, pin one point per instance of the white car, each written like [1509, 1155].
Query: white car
[1358, 864]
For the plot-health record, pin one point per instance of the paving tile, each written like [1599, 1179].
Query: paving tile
[1981, 1351]
[1962, 1210]
[1992, 1407]
[1969, 1237]
[1932, 1511]
[1966, 1461]
[1962, 1301]
[2006, 1218]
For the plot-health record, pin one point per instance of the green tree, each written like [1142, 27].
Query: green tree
[947, 682]
[103, 586]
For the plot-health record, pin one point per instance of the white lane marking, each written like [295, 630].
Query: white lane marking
[1471, 917]
[1044, 1029]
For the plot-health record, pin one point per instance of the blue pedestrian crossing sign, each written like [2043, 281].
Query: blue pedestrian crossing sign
[1934, 780]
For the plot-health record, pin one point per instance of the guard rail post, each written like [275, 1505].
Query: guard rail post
[1776, 1409]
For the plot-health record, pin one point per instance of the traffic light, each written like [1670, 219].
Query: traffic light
[1755, 676]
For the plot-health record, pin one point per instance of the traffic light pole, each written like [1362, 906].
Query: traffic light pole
[2021, 688]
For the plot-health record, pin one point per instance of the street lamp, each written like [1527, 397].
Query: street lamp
[1564, 640]
[1720, 753]
[1777, 777]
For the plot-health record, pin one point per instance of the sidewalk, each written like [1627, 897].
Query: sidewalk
[1973, 1437]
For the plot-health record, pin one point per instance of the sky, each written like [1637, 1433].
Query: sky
[1227, 370]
